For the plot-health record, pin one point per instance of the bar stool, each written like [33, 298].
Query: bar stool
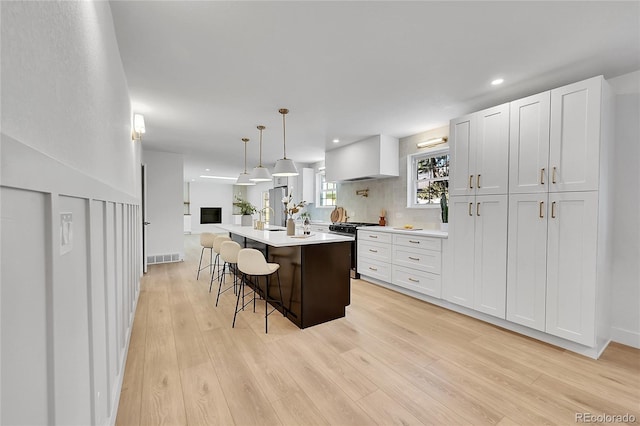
[252, 263]
[229, 254]
[217, 242]
[206, 241]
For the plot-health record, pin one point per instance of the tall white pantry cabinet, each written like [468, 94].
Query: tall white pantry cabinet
[556, 229]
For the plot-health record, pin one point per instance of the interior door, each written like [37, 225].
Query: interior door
[144, 218]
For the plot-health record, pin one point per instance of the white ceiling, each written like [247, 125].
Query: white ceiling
[206, 73]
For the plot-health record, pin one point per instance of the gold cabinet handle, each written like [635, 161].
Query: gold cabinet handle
[553, 178]
[542, 176]
[373, 251]
[373, 236]
[470, 181]
[414, 258]
[414, 280]
[478, 181]
[541, 207]
[553, 210]
[477, 209]
[372, 268]
[470, 214]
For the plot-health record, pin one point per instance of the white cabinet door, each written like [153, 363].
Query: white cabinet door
[489, 155]
[571, 266]
[529, 144]
[527, 260]
[459, 286]
[575, 136]
[461, 135]
[490, 275]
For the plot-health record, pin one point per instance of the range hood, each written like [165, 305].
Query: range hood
[372, 158]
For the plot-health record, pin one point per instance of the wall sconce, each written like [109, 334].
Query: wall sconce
[138, 127]
[432, 142]
[363, 192]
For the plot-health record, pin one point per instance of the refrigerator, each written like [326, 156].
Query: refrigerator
[278, 215]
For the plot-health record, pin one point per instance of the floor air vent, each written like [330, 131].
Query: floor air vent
[163, 258]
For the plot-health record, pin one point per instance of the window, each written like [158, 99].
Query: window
[428, 177]
[326, 193]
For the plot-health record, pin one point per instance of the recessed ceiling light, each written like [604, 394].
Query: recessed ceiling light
[497, 81]
[207, 170]
[336, 140]
[193, 180]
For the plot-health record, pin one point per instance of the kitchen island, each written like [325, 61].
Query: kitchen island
[314, 271]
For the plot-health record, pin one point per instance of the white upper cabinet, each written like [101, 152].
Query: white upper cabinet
[575, 136]
[480, 152]
[491, 151]
[529, 144]
[460, 139]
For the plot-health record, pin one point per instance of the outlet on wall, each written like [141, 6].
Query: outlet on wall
[66, 232]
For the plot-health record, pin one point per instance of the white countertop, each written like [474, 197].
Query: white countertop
[423, 232]
[281, 239]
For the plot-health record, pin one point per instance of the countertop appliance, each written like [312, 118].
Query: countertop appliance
[350, 228]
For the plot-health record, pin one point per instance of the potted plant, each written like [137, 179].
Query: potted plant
[246, 210]
[444, 212]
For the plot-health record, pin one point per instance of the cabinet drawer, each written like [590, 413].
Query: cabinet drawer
[420, 281]
[424, 260]
[375, 269]
[429, 243]
[379, 237]
[381, 252]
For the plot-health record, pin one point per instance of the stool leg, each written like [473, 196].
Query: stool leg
[200, 263]
[238, 301]
[210, 259]
[211, 285]
[281, 299]
[266, 306]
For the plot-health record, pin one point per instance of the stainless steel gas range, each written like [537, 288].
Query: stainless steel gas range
[350, 229]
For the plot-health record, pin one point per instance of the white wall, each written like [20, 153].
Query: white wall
[625, 282]
[210, 194]
[65, 147]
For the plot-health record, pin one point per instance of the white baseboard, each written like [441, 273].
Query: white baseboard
[625, 337]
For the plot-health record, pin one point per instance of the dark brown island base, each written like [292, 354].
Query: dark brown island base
[314, 272]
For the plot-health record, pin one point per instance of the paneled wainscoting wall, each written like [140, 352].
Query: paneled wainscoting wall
[68, 291]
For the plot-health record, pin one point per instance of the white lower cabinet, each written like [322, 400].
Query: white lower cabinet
[572, 266]
[478, 250]
[527, 260]
[409, 261]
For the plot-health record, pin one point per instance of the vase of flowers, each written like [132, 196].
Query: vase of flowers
[292, 208]
[246, 210]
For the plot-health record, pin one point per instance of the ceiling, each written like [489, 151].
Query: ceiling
[206, 73]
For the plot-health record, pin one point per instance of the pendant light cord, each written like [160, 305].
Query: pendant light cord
[245, 140]
[284, 112]
[261, 128]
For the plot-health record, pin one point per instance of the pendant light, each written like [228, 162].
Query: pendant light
[260, 173]
[243, 179]
[284, 166]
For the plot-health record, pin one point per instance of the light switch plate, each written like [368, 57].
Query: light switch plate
[66, 232]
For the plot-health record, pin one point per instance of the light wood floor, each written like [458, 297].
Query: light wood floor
[391, 360]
